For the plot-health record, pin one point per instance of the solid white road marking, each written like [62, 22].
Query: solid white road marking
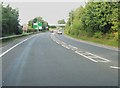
[92, 56]
[102, 61]
[86, 56]
[114, 67]
[100, 57]
[14, 46]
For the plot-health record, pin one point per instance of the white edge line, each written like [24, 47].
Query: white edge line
[14, 46]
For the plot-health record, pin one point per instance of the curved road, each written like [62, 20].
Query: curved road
[40, 61]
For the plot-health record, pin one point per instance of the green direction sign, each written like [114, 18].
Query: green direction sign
[40, 25]
[37, 25]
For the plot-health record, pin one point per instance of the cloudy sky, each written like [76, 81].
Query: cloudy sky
[50, 11]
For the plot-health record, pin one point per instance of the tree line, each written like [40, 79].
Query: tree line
[9, 21]
[95, 19]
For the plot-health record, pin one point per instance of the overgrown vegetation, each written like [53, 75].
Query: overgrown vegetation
[98, 20]
[9, 20]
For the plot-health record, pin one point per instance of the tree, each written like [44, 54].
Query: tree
[0, 19]
[95, 18]
[61, 21]
[10, 20]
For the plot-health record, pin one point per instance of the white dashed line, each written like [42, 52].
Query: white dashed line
[72, 47]
[67, 47]
[63, 43]
[83, 53]
[57, 42]
[90, 56]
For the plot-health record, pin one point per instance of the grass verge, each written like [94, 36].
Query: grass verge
[107, 42]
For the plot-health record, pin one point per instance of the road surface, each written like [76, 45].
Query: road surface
[47, 59]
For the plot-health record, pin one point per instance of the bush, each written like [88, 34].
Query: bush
[19, 30]
[98, 35]
[116, 36]
[31, 30]
[109, 36]
[82, 33]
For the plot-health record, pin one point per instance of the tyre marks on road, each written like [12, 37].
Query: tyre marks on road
[80, 52]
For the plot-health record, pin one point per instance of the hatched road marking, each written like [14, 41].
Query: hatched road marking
[83, 53]
[86, 56]
[114, 67]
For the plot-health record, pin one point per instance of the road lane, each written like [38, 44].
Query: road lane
[81, 52]
[109, 54]
[42, 62]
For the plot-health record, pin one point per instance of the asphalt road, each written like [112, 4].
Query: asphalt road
[46, 59]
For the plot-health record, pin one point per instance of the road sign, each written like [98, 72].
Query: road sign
[37, 25]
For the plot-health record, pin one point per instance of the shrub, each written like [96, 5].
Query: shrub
[110, 36]
[19, 30]
[116, 36]
[98, 35]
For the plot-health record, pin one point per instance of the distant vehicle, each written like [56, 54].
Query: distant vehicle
[59, 32]
[51, 31]
[55, 31]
